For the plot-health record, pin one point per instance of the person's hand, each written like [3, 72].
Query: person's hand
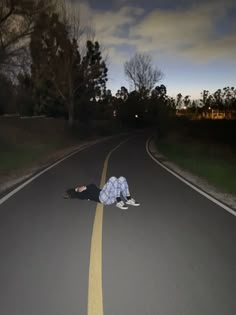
[81, 188]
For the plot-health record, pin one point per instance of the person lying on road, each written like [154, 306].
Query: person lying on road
[112, 192]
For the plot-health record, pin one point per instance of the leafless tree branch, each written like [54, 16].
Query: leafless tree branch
[141, 72]
[17, 19]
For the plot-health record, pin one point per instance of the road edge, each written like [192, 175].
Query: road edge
[34, 172]
[191, 180]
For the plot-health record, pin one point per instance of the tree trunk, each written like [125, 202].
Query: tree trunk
[71, 112]
[71, 100]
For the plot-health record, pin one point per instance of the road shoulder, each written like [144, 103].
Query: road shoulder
[227, 199]
[9, 182]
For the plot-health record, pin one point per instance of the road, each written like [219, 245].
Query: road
[175, 254]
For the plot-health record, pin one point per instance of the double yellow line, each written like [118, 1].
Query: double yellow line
[95, 294]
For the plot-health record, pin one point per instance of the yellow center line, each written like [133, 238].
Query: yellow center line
[95, 294]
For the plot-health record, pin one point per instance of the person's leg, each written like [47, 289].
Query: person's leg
[124, 187]
[110, 191]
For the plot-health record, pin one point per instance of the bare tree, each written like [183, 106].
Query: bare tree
[17, 19]
[141, 73]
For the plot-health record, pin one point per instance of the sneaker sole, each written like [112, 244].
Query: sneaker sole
[125, 208]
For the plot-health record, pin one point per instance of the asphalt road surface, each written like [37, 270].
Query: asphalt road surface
[173, 255]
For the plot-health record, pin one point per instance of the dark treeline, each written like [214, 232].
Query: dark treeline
[51, 65]
[221, 99]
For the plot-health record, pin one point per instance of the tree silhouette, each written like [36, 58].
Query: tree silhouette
[187, 101]
[17, 20]
[179, 101]
[56, 57]
[159, 92]
[122, 93]
[141, 73]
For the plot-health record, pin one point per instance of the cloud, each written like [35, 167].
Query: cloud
[112, 27]
[117, 56]
[189, 31]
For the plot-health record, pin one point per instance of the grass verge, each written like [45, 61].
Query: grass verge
[15, 157]
[29, 143]
[213, 162]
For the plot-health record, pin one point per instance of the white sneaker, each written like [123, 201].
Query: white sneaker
[121, 205]
[132, 202]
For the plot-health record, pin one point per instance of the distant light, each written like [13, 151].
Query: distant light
[209, 107]
[136, 116]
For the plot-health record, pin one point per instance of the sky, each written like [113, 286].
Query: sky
[192, 42]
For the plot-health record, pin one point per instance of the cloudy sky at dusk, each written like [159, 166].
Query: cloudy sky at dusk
[192, 42]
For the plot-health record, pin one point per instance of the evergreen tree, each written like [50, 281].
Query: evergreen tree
[56, 58]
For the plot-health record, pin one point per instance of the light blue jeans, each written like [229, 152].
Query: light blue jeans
[114, 187]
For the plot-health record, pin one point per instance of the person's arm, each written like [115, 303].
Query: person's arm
[90, 192]
[83, 194]
[80, 188]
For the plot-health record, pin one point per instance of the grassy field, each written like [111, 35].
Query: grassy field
[26, 142]
[205, 149]
[14, 157]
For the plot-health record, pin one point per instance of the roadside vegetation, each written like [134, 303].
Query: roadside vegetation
[28, 143]
[205, 148]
